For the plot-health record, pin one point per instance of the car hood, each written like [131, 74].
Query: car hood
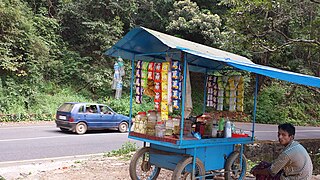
[123, 117]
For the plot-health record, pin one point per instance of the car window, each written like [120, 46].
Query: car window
[81, 109]
[66, 107]
[105, 110]
[91, 108]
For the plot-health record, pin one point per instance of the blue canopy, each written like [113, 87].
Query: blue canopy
[145, 44]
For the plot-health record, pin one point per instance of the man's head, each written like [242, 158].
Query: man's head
[286, 133]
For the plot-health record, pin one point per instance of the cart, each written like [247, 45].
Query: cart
[191, 158]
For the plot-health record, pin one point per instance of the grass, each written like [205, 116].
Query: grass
[125, 152]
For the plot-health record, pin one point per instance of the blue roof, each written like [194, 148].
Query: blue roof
[145, 44]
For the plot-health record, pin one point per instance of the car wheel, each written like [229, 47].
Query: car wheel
[123, 127]
[64, 129]
[81, 128]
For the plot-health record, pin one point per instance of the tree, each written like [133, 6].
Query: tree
[279, 33]
[189, 22]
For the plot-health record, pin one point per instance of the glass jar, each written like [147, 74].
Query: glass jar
[158, 115]
[140, 120]
[169, 127]
[160, 129]
[152, 116]
[176, 125]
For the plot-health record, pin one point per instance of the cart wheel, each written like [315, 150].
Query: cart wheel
[183, 170]
[140, 166]
[232, 166]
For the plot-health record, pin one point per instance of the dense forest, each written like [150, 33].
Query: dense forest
[51, 51]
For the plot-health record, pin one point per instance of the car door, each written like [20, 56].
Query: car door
[92, 116]
[108, 117]
[79, 113]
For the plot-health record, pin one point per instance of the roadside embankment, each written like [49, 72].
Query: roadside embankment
[269, 150]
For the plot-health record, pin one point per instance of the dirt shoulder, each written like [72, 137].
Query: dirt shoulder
[92, 168]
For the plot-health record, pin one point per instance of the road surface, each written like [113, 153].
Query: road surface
[46, 141]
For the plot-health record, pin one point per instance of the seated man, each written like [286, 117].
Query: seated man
[294, 161]
[89, 110]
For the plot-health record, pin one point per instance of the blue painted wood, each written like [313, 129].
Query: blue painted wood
[168, 161]
[198, 142]
[213, 157]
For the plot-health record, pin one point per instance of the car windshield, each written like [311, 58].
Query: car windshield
[66, 107]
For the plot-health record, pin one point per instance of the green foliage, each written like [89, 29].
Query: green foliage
[189, 21]
[51, 51]
[269, 109]
[125, 152]
[316, 162]
[277, 33]
[90, 27]
[283, 102]
[122, 105]
[26, 117]
[251, 164]
[41, 105]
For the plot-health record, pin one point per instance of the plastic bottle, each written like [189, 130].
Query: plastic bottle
[221, 124]
[227, 129]
[114, 84]
[116, 76]
[121, 66]
[233, 128]
[118, 90]
[214, 130]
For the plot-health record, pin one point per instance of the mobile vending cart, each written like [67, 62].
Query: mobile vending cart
[189, 157]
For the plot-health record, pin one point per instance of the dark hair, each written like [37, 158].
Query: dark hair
[288, 128]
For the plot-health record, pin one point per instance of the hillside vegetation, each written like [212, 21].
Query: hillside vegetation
[51, 51]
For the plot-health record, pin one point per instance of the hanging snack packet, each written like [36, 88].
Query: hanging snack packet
[158, 67]
[157, 77]
[151, 71]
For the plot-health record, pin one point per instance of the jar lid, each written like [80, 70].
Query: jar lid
[142, 113]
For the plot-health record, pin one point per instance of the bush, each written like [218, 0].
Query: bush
[41, 105]
[125, 151]
[122, 105]
[276, 106]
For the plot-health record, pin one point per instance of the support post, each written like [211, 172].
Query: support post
[255, 106]
[131, 91]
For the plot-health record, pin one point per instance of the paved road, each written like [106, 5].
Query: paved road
[269, 132]
[46, 141]
[36, 142]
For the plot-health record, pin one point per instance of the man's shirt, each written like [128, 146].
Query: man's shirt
[295, 162]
